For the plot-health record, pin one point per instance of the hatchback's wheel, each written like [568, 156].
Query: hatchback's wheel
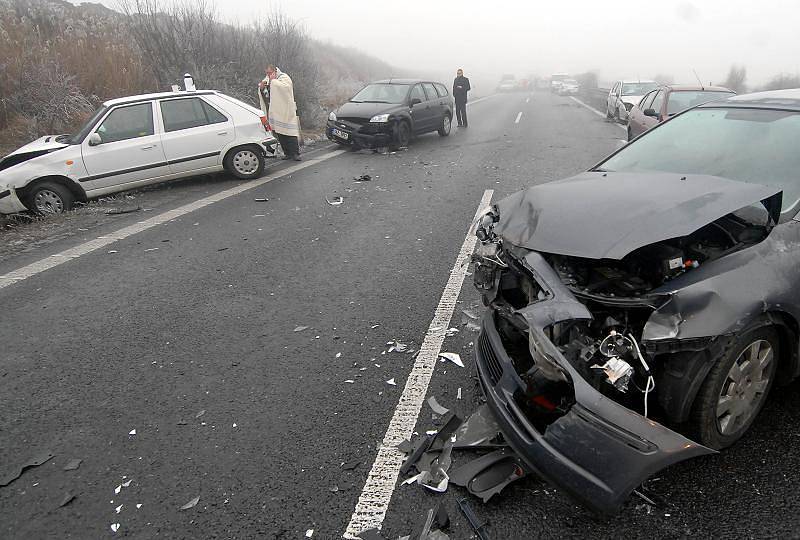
[447, 123]
[402, 136]
[245, 162]
[736, 388]
[50, 198]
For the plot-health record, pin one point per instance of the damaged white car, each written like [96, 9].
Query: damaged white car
[639, 313]
[134, 141]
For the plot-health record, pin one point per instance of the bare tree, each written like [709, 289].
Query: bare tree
[783, 81]
[736, 79]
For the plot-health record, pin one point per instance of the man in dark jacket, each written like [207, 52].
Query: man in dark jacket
[460, 88]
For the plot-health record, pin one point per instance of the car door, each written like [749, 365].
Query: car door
[195, 133]
[129, 148]
[636, 117]
[611, 102]
[435, 103]
[421, 112]
[657, 106]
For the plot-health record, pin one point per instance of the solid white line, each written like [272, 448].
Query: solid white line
[15, 276]
[527, 100]
[371, 508]
[518, 118]
[595, 111]
[480, 99]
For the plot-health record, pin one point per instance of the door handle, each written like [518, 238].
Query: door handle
[148, 147]
[222, 133]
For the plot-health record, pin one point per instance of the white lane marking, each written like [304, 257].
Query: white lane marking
[527, 100]
[15, 276]
[371, 508]
[480, 99]
[595, 111]
[519, 116]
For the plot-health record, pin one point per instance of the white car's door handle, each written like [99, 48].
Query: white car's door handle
[148, 147]
[222, 133]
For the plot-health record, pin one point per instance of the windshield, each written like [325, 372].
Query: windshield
[682, 100]
[382, 93]
[757, 146]
[637, 89]
[81, 134]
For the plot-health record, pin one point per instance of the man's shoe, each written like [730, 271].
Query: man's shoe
[285, 157]
[297, 157]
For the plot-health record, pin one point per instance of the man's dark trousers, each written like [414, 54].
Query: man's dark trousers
[461, 113]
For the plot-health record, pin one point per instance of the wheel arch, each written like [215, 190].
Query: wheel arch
[234, 147]
[74, 187]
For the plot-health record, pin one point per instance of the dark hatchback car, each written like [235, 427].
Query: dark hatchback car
[389, 113]
[667, 101]
[639, 313]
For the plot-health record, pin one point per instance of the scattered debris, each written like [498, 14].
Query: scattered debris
[453, 357]
[115, 527]
[475, 523]
[458, 394]
[201, 413]
[223, 249]
[119, 508]
[362, 178]
[431, 527]
[132, 432]
[438, 409]
[309, 533]
[151, 249]
[300, 328]
[261, 199]
[68, 498]
[351, 465]
[73, 465]
[128, 483]
[488, 475]
[35, 461]
[644, 497]
[396, 346]
[120, 211]
[450, 332]
[335, 201]
[480, 430]
[191, 504]
[391, 382]
[374, 326]
[138, 506]
[117, 489]
[113, 251]
[350, 381]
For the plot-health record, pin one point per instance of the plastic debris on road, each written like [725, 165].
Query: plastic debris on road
[363, 178]
[300, 328]
[201, 413]
[73, 464]
[334, 201]
[453, 357]
[68, 498]
[435, 407]
[309, 533]
[191, 504]
[261, 199]
[35, 461]
[115, 527]
[391, 382]
[450, 332]
[132, 432]
[396, 346]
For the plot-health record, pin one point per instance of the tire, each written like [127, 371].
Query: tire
[447, 125]
[50, 198]
[724, 409]
[401, 136]
[245, 162]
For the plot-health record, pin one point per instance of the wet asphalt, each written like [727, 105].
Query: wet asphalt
[193, 346]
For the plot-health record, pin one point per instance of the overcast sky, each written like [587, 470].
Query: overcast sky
[618, 38]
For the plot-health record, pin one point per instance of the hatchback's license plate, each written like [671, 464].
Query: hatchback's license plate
[341, 134]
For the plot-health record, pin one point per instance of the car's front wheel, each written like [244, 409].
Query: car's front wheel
[401, 136]
[444, 128]
[736, 388]
[245, 162]
[50, 198]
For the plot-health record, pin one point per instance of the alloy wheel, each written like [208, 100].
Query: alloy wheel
[446, 124]
[745, 387]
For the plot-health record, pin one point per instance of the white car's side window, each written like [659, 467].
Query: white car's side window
[127, 122]
[188, 113]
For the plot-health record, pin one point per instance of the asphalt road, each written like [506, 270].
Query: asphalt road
[193, 346]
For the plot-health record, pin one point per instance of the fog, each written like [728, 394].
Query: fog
[619, 39]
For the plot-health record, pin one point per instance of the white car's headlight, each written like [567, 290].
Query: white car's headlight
[379, 118]
[332, 116]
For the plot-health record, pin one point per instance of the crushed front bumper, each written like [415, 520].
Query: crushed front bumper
[9, 201]
[599, 451]
[368, 135]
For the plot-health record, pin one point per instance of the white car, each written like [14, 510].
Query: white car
[568, 87]
[135, 141]
[624, 95]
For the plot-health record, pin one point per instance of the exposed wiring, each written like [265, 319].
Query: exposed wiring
[651, 382]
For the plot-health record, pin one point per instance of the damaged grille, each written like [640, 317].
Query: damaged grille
[492, 362]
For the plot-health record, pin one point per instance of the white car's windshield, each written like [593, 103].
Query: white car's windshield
[750, 145]
[637, 89]
[382, 93]
[81, 134]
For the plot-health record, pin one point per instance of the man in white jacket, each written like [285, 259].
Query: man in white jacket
[276, 94]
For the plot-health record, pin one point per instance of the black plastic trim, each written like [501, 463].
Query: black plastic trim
[154, 166]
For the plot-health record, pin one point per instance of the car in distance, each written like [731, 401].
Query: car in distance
[508, 83]
[624, 95]
[668, 100]
[556, 79]
[568, 87]
[134, 141]
[390, 112]
[618, 342]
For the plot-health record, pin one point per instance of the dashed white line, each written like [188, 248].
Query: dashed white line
[52, 261]
[519, 116]
[527, 100]
[595, 111]
[371, 508]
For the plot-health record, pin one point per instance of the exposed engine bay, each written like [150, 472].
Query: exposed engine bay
[606, 350]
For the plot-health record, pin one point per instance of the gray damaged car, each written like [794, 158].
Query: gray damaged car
[639, 313]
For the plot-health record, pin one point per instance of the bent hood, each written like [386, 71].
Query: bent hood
[608, 215]
[365, 110]
[39, 147]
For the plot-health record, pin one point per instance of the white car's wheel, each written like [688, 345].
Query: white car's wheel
[245, 162]
[50, 198]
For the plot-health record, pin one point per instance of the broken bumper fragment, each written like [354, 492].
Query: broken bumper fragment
[596, 450]
[9, 201]
[367, 135]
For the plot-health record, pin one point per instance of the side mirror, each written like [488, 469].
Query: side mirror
[651, 113]
[415, 101]
[95, 140]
